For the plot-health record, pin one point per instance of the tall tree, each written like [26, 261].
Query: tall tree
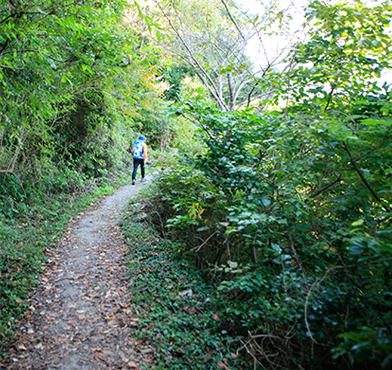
[207, 36]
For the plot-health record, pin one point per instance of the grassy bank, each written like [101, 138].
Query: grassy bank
[179, 313]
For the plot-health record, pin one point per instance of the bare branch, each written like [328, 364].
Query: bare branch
[317, 281]
[232, 18]
[197, 67]
[326, 187]
[362, 177]
[205, 241]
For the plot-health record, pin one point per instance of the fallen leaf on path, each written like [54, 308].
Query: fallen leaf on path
[221, 365]
[132, 365]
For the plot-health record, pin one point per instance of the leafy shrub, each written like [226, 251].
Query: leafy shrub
[180, 314]
[290, 216]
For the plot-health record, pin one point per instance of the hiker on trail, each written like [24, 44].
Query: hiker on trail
[140, 156]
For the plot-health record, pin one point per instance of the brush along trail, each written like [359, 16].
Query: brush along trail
[80, 316]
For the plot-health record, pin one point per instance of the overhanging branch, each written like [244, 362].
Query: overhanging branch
[362, 177]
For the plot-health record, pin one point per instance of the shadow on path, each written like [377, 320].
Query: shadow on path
[80, 316]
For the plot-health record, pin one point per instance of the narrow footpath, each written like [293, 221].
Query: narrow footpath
[80, 316]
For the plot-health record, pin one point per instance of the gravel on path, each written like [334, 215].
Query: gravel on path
[80, 317]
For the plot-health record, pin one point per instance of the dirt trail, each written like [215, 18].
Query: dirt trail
[81, 317]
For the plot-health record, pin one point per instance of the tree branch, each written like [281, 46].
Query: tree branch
[13, 15]
[308, 296]
[362, 177]
[231, 97]
[205, 241]
[4, 45]
[326, 187]
[232, 18]
[329, 98]
[201, 73]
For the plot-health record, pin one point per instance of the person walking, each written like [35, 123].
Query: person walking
[140, 156]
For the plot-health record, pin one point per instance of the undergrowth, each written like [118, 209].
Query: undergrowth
[180, 314]
[24, 239]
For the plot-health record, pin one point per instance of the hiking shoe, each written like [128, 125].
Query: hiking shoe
[133, 182]
[144, 179]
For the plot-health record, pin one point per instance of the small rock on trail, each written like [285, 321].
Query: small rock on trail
[81, 316]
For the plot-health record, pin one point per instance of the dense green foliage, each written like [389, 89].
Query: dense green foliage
[180, 315]
[60, 65]
[76, 89]
[279, 216]
[289, 211]
[173, 76]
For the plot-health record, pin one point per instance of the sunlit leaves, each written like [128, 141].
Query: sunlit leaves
[348, 49]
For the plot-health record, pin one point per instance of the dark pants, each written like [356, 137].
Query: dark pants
[136, 163]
